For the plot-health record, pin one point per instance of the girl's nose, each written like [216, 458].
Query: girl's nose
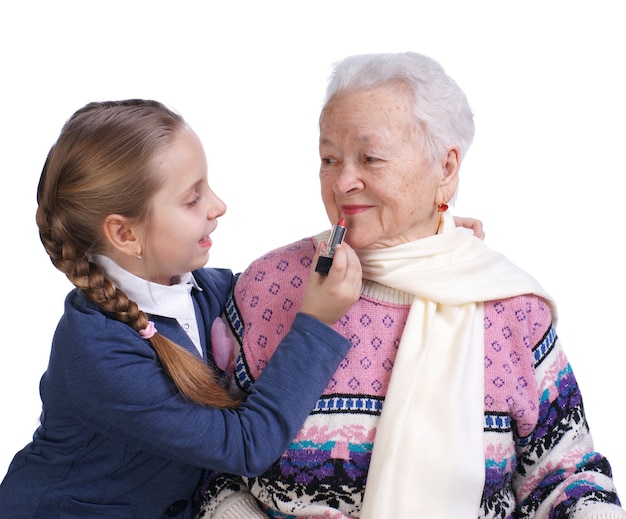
[217, 207]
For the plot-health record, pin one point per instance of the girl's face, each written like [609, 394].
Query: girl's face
[184, 213]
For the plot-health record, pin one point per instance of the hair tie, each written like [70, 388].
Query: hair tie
[149, 331]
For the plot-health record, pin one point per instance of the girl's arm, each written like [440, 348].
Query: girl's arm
[118, 388]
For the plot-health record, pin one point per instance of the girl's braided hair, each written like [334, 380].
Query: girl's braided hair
[102, 164]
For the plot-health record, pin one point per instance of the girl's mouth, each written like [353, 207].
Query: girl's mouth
[206, 242]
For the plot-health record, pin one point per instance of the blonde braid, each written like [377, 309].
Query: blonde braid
[99, 166]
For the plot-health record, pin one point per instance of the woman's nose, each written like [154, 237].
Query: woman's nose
[348, 180]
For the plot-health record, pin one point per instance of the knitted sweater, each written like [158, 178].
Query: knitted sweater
[539, 455]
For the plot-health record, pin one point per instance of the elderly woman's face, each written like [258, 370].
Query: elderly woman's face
[374, 173]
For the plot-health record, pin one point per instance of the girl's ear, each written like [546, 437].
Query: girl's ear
[122, 235]
[449, 177]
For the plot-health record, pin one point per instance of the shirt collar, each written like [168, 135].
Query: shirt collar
[166, 301]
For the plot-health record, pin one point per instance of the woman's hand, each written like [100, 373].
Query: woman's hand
[328, 298]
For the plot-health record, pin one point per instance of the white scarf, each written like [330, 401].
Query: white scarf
[428, 460]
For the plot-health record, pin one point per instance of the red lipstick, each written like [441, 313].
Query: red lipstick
[325, 260]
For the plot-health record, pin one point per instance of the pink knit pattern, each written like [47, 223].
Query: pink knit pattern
[276, 283]
[512, 328]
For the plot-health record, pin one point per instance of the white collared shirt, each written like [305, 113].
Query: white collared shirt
[172, 301]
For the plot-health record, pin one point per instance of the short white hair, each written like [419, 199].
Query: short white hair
[442, 113]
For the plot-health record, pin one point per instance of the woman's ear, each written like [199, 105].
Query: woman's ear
[122, 235]
[449, 177]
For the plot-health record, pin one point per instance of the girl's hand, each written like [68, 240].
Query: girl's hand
[470, 223]
[328, 298]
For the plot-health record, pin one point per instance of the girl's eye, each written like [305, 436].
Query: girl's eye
[194, 201]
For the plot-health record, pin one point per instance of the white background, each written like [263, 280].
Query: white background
[546, 172]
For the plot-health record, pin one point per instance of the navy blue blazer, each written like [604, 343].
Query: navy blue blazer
[116, 438]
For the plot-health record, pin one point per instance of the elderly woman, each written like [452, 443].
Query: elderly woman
[456, 400]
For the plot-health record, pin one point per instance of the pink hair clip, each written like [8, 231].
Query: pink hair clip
[149, 331]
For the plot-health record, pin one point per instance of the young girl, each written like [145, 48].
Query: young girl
[132, 410]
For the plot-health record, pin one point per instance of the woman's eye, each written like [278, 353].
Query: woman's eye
[370, 159]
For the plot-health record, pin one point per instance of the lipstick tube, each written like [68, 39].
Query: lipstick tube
[325, 260]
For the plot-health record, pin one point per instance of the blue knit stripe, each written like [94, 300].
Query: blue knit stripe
[232, 314]
[544, 347]
[360, 404]
[497, 422]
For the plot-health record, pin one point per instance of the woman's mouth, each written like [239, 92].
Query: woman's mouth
[351, 210]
